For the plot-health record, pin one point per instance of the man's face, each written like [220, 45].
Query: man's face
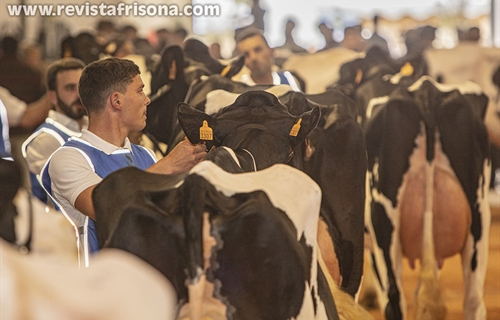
[65, 97]
[135, 104]
[258, 56]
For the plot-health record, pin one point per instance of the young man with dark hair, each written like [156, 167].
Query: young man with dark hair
[111, 91]
[259, 58]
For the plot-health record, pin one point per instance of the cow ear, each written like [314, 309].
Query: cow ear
[173, 58]
[198, 51]
[197, 125]
[234, 67]
[304, 124]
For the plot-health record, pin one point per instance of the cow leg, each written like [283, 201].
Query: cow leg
[475, 261]
[327, 251]
[387, 258]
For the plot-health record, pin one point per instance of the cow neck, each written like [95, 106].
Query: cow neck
[254, 164]
[255, 126]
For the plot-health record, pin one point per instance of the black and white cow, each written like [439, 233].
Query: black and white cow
[428, 180]
[171, 80]
[259, 259]
[234, 246]
[335, 158]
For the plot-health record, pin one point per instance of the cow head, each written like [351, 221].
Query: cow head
[168, 87]
[199, 62]
[171, 78]
[256, 122]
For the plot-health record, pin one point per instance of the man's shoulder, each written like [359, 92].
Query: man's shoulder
[44, 139]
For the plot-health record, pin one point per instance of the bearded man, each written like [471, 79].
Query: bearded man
[66, 119]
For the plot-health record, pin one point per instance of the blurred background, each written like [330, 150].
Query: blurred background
[452, 18]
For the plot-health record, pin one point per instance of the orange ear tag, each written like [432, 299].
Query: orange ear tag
[406, 70]
[225, 70]
[173, 71]
[206, 133]
[295, 129]
[359, 76]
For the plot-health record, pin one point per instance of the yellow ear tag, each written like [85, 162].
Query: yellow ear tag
[295, 129]
[225, 70]
[359, 76]
[173, 71]
[206, 132]
[406, 70]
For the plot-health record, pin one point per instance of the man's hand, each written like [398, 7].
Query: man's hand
[181, 159]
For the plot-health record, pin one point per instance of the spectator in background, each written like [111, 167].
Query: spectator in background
[162, 36]
[105, 31]
[353, 39]
[178, 36]
[19, 78]
[66, 120]
[327, 33]
[84, 47]
[259, 59]
[32, 55]
[119, 47]
[140, 46]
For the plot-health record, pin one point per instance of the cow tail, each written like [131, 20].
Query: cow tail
[429, 303]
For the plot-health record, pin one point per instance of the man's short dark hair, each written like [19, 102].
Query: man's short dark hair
[250, 32]
[59, 66]
[100, 78]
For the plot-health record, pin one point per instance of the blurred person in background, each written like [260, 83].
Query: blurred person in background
[259, 59]
[67, 118]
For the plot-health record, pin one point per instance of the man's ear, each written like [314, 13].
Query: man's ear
[52, 94]
[116, 100]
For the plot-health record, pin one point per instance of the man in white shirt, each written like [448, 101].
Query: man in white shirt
[112, 92]
[66, 120]
[259, 59]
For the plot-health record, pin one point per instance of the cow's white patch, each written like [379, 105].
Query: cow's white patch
[289, 190]
[373, 103]
[467, 87]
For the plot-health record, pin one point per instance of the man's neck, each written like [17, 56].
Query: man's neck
[108, 131]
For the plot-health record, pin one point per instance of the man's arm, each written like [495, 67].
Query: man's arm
[84, 204]
[181, 159]
[39, 150]
[26, 116]
[35, 113]
[73, 181]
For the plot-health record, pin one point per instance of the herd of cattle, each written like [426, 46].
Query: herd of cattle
[389, 156]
